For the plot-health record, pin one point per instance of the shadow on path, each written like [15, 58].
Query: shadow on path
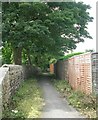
[55, 105]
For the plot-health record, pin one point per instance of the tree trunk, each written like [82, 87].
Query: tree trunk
[17, 56]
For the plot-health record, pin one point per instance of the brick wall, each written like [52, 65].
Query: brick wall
[78, 71]
[52, 68]
[80, 74]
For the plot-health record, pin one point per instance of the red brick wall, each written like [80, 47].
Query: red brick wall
[79, 73]
[52, 68]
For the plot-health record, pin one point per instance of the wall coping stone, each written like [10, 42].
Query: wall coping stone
[3, 71]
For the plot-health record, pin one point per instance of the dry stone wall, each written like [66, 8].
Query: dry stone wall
[11, 78]
[3, 72]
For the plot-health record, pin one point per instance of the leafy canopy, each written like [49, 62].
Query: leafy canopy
[45, 29]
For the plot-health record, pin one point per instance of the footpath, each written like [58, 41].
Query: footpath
[55, 105]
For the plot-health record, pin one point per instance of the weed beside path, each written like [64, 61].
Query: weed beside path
[86, 104]
[27, 101]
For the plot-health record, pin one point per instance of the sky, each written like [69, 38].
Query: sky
[89, 43]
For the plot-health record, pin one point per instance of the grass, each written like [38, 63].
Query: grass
[27, 101]
[85, 104]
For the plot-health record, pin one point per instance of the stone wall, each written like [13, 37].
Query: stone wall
[3, 72]
[11, 78]
[95, 72]
[61, 69]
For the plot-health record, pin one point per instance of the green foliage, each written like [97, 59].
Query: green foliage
[86, 104]
[7, 54]
[70, 55]
[89, 50]
[26, 103]
[24, 57]
[53, 61]
[44, 29]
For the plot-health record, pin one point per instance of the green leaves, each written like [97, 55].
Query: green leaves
[7, 54]
[39, 27]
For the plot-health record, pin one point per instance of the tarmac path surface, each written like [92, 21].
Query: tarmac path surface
[55, 105]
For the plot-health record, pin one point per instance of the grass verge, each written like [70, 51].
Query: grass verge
[85, 104]
[27, 101]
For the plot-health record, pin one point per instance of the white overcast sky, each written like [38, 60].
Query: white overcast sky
[89, 43]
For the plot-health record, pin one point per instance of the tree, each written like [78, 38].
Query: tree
[89, 50]
[44, 29]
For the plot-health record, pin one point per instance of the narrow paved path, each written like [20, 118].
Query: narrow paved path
[55, 105]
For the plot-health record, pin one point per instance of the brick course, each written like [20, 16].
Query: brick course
[79, 72]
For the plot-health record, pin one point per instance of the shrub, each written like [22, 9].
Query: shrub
[86, 104]
[70, 55]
